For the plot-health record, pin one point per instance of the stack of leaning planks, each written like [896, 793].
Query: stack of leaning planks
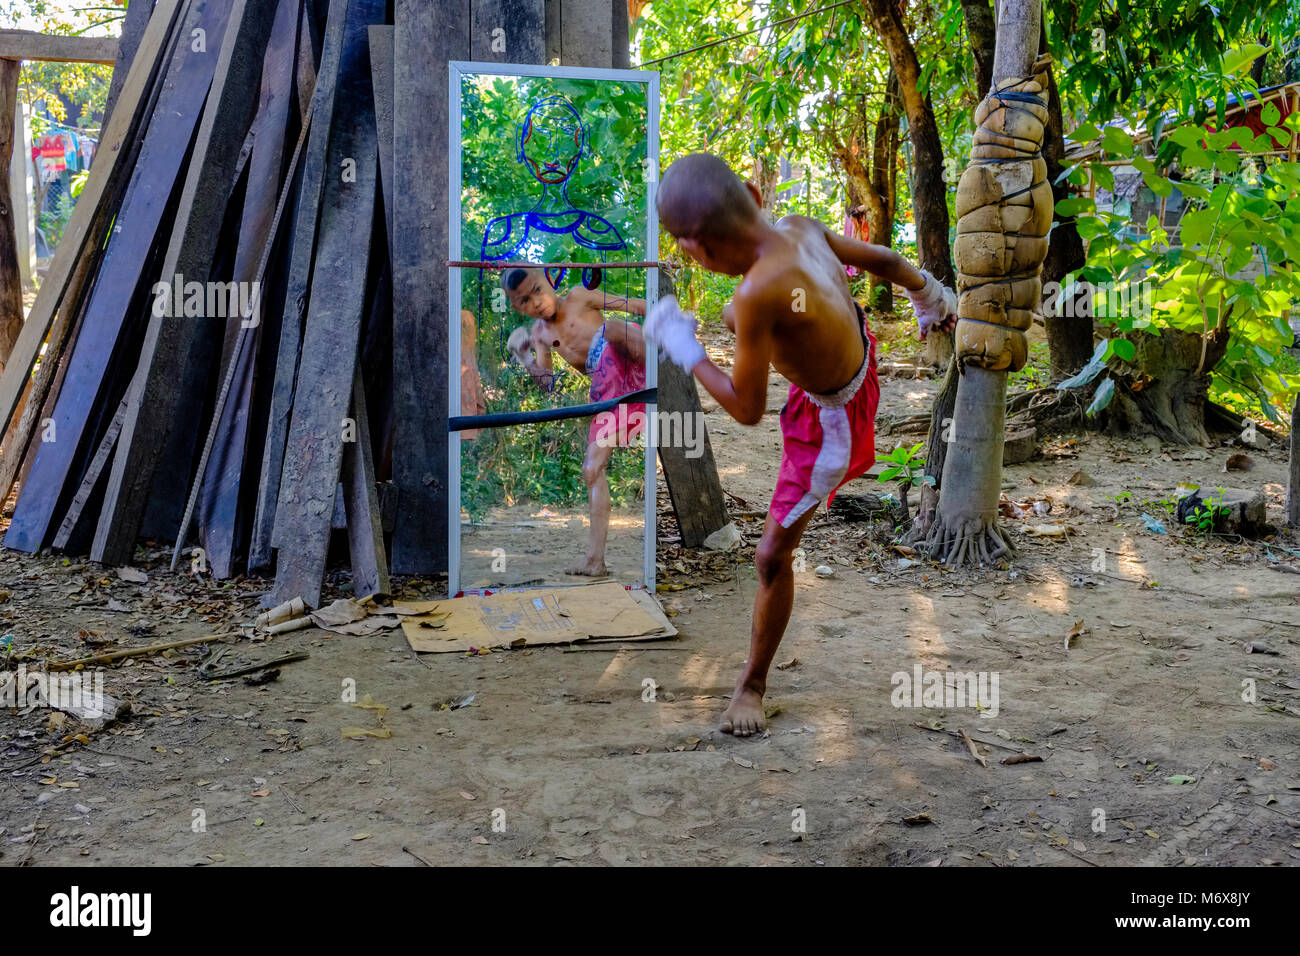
[210, 356]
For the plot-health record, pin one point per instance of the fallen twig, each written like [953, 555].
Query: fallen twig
[407, 849]
[951, 733]
[983, 761]
[133, 652]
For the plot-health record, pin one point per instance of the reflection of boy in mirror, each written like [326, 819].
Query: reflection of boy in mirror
[613, 355]
[551, 140]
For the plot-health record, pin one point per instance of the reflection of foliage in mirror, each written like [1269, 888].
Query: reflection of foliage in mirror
[542, 463]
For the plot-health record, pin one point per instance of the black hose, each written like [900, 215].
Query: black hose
[461, 423]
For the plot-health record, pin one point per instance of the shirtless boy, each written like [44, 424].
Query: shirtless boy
[792, 310]
[612, 353]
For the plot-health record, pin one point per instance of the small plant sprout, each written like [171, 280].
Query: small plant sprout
[906, 465]
[1207, 512]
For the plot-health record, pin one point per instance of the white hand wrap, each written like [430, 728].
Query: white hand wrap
[673, 330]
[933, 303]
[520, 344]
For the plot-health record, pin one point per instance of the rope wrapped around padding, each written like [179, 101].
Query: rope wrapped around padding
[1004, 214]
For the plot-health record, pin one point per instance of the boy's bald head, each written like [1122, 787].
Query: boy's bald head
[512, 279]
[701, 198]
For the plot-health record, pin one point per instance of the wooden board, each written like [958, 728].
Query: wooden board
[693, 483]
[156, 392]
[219, 488]
[162, 155]
[508, 31]
[361, 499]
[134, 25]
[117, 138]
[381, 74]
[29, 45]
[301, 256]
[90, 480]
[427, 36]
[37, 401]
[326, 370]
[587, 32]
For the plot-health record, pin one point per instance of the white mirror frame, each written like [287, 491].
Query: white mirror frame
[458, 70]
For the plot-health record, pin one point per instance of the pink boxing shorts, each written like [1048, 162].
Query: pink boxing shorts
[614, 374]
[828, 439]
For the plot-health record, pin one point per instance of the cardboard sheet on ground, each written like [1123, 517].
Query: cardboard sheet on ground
[533, 616]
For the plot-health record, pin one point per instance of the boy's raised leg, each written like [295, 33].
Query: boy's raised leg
[774, 563]
[594, 474]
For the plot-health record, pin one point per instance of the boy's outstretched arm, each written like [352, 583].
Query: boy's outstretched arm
[530, 350]
[743, 394]
[935, 305]
[878, 260]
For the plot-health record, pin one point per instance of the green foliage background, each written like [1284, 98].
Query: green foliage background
[542, 463]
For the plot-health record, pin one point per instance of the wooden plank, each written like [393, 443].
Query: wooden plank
[103, 174]
[508, 31]
[161, 157]
[381, 75]
[693, 483]
[11, 277]
[72, 518]
[302, 255]
[587, 33]
[220, 481]
[327, 370]
[427, 36]
[156, 392]
[30, 45]
[361, 498]
[43, 386]
[134, 25]
[22, 181]
[554, 19]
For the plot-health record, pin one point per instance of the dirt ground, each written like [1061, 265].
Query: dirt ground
[1150, 751]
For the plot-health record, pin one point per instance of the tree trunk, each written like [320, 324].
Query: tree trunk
[936, 445]
[929, 192]
[767, 173]
[1168, 397]
[1069, 336]
[1293, 473]
[1004, 189]
[982, 30]
[11, 280]
[884, 173]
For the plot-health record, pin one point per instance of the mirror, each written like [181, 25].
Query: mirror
[555, 168]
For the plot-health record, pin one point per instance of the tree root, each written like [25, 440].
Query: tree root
[974, 543]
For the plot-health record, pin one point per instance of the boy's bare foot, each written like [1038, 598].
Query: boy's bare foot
[591, 568]
[744, 717]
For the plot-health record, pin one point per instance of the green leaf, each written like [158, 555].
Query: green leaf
[1105, 177]
[1123, 348]
[1115, 140]
[1194, 157]
[1158, 184]
[1238, 61]
[1085, 132]
[1193, 190]
[1074, 205]
[1190, 135]
[889, 474]
[1270, 114]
